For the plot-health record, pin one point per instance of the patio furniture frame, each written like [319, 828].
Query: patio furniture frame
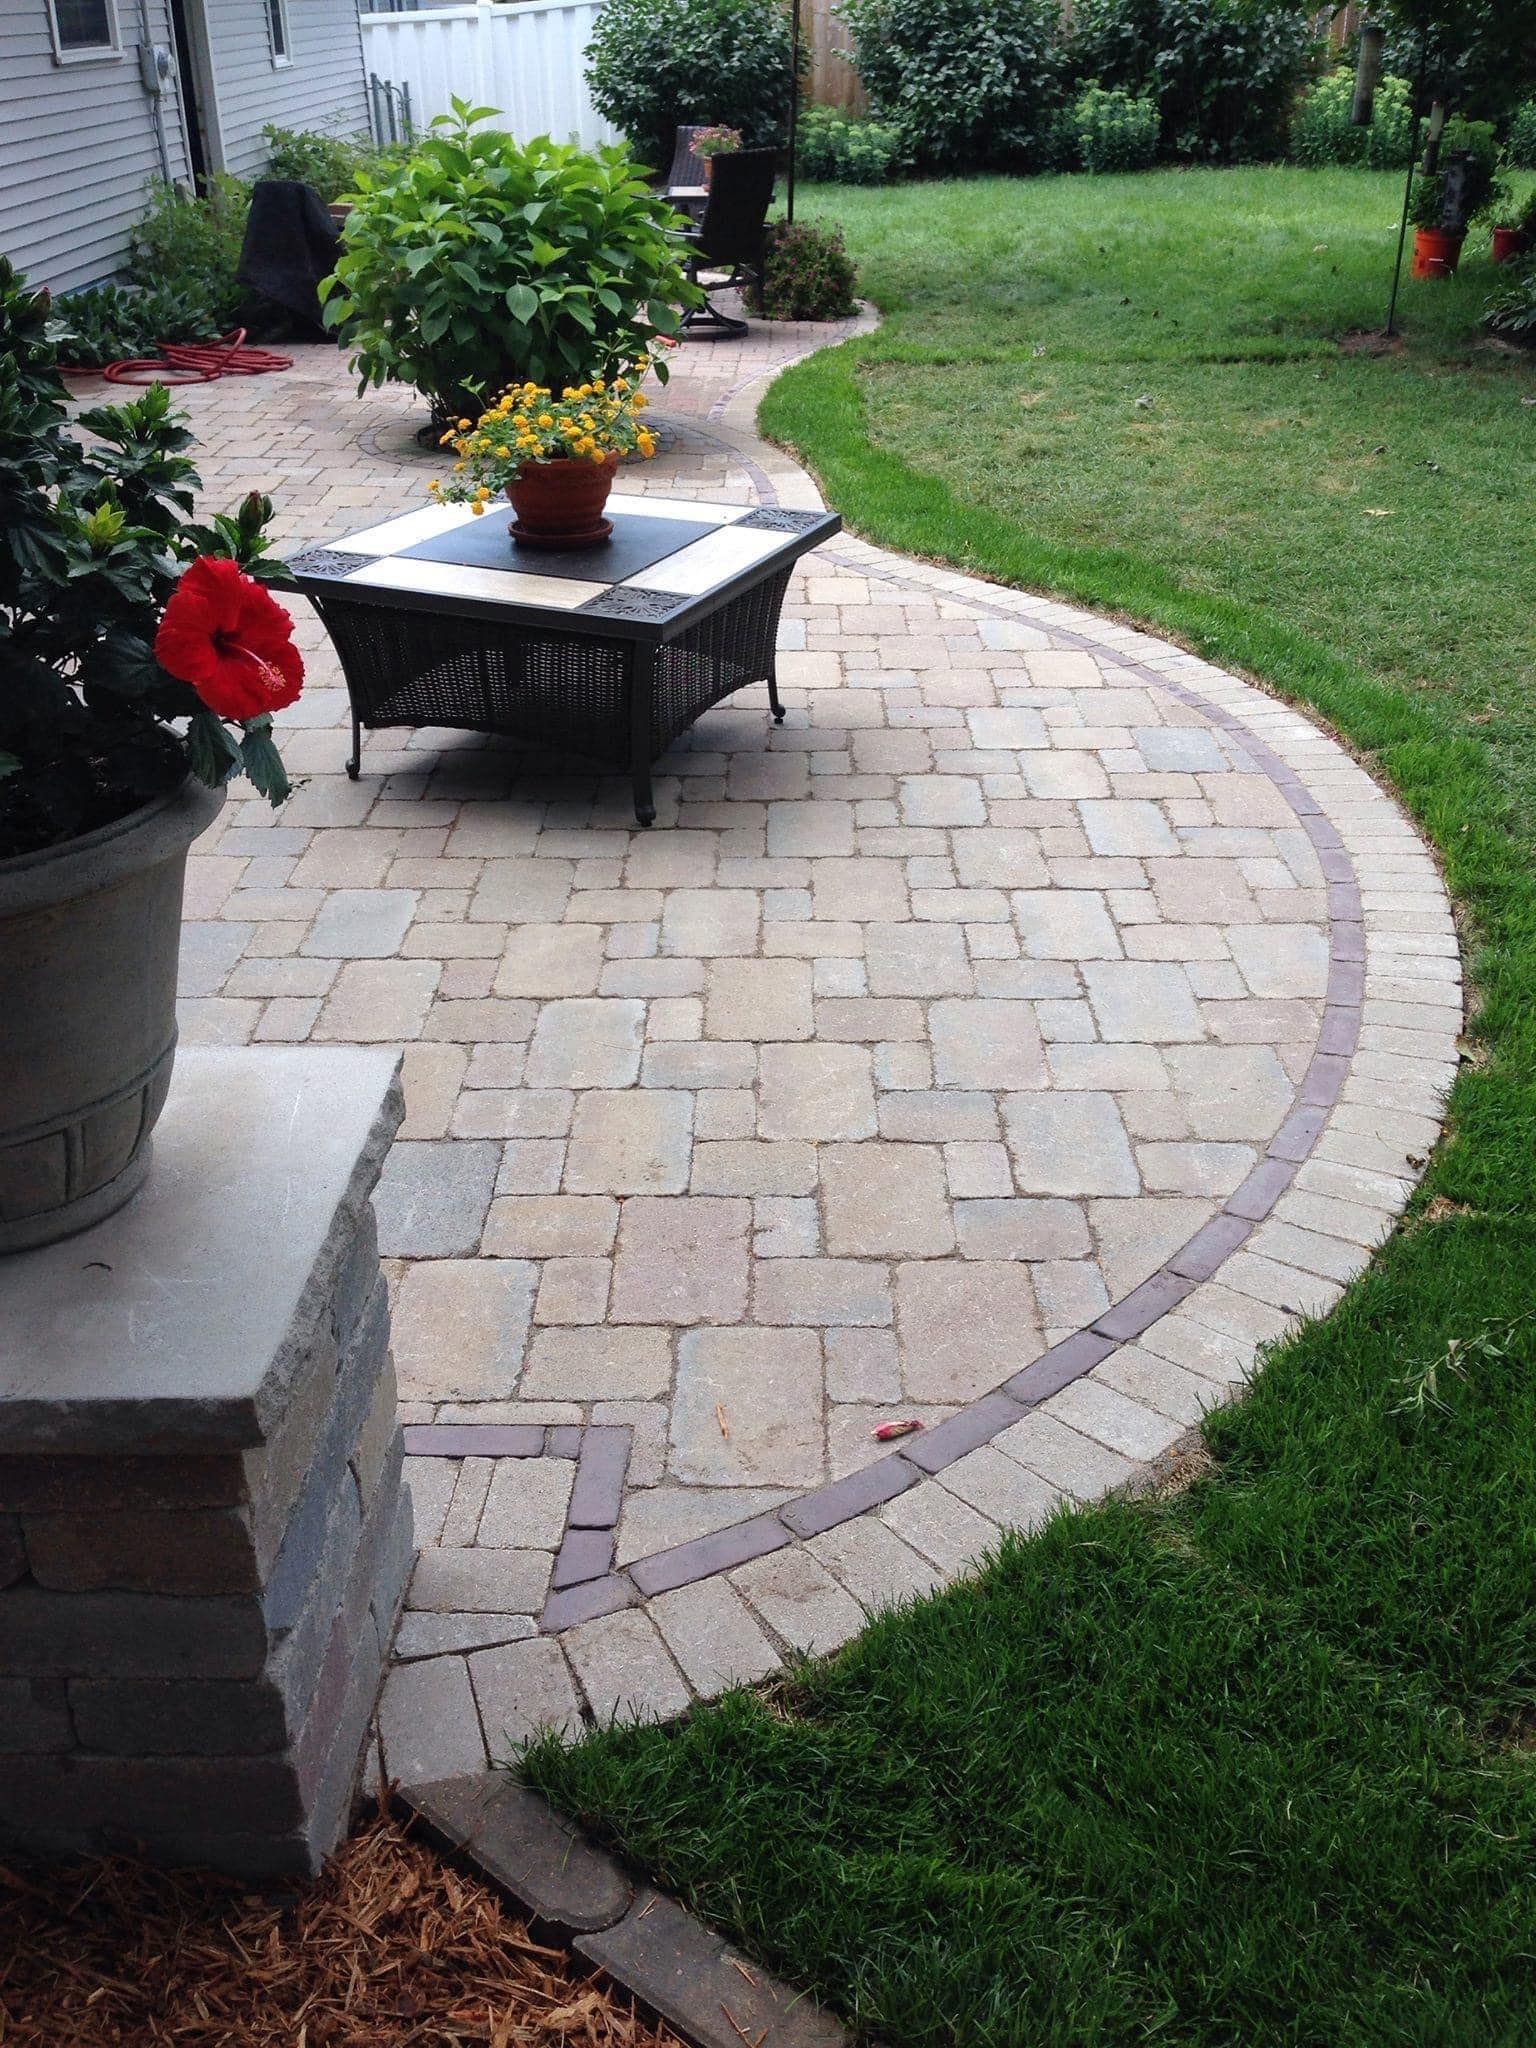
[613, 682]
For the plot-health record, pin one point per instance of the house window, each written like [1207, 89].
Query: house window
[277, 30]
[83, 29]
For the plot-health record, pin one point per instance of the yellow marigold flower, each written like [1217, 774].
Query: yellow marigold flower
[503, 453]
[639, 401]
[461, 465]
[546, 419]
[476, 507]
[463, 426]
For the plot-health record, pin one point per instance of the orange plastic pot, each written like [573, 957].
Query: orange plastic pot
[1436, 253]
[560, 504]
[1508, 243]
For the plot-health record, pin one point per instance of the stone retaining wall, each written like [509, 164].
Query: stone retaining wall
[204, 1538]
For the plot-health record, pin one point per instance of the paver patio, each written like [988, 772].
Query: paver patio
[1040, 1009]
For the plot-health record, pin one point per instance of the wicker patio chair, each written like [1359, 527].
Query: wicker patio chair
[686, 179]
[725, 250]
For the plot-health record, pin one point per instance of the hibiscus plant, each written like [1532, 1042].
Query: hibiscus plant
[135, 644]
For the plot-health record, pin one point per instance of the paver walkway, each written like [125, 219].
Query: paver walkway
[1039, 1010]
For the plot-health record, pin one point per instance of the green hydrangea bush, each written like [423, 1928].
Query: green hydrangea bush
[479, 262]
[1116, 131]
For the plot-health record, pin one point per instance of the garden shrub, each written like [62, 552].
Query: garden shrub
[328, 163]
[1322, 132]
[1115, 131]
[106, 323]
[807, 275]
[1512, 309]
[479, 261]
[190, 246]
[967, 84]
[1520, 146]
[838, 149]
[1224, 72]
[656, 65]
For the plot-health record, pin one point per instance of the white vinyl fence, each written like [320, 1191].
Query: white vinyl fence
[526, 61]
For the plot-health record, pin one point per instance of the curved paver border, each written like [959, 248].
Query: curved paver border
[670, 1626]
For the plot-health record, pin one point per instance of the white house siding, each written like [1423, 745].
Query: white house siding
[77, 146]
[323, 86]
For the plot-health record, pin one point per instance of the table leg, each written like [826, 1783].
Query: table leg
[773, 696]
[642, 680]
[355, 763]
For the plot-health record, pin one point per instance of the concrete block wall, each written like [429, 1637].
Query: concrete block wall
[196, 1605]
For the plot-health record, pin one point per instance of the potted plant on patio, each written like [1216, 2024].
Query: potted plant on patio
[553, 457]
[708, 143]
[479, 261]
[143, 660]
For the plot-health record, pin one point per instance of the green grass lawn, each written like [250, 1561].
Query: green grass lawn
[1251, 1766]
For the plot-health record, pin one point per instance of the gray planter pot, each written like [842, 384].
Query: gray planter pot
[89, 936]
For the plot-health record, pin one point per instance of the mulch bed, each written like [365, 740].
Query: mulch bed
[389, 1947]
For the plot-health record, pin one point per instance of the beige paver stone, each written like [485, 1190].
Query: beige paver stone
[710, 1631]
[984, 1044]
[428, 1725]
[800, 1600]
[464, 1509]
[1065, 924]
[624, 1669]
[820, 1291]
[635, 1141]
[521, 890]
[758, 999]
[525, 1508]
[460, 1325]
[572, 1291]
[862, 1365]
[747, 1408]
[681, 1259]
[379, 1001]
[1068, 1460]
[917, 959]
[865, 889]
[1114, 1418]
[587, 1042]
[821, 826]
[751, 1167]
[999, 857]
[963, 1326]
[545, 960]
[598, 1364]
[1021, 1227]
[466, 1581]
[818, 1092]
[1183, 1396]
[431, 1076]
[878, 1568]
[523, 1689]
[553, 1226]
[942, 1526]
[703, 923]
[1000, 1488]
[885, 1201]
[1069, 1144]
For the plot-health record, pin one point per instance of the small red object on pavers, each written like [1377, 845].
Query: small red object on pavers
[887, 1430]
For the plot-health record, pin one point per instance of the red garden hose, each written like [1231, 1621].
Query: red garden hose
[198, 362]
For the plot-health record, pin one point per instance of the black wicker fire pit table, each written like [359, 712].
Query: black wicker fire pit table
[606, 652]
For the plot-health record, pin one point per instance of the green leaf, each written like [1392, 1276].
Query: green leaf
[211, 750]
[262, 762]
[522, 302]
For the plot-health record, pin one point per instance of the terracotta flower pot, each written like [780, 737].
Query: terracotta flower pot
[1435, 252]
[560, 504]
[1508, 243]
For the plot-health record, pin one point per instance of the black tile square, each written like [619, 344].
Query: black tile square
[637, 541]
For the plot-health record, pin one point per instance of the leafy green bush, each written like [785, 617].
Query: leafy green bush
[1512, 309]
[1322, 132]
[655, 65]
[190, 247]
[838, 149]
[480, 261]
[1520, 146]
[1115, 131]
[807, 275]
[328, 163]
[106, 323]
[968, 85]
[1224, 72]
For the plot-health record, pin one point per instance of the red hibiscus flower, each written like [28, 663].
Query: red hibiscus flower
[231, 640]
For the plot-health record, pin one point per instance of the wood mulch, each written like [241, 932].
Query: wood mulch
[389, 1947]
